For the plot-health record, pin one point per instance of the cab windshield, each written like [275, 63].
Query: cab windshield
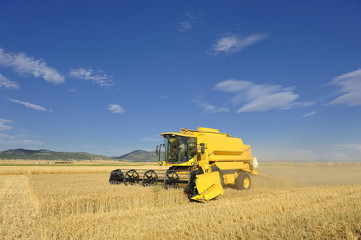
[179, 149]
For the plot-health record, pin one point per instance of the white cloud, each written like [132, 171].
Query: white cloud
[29, 105]
[259, 97]
[281, 100]
[233, 43]
[184, 26]
[350, 84]
[28, 65]
[207, 107]
[189, 20]
[211, 108]
[309, 114]
[3, 124]
[4, 82]
[97, 77]
[115, 108]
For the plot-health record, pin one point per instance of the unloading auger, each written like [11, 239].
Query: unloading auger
[200, 161]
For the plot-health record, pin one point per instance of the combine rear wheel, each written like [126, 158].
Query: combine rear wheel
[243, 181]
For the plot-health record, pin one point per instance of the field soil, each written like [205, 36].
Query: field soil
[286, 201]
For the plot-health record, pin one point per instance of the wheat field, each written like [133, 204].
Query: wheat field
[287, 201]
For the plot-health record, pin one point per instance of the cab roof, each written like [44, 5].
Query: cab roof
[189, 133]
[177, 134]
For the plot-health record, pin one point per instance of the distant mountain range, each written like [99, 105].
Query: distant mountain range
[44, 154]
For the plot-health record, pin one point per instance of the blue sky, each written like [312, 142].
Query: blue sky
[108, 77]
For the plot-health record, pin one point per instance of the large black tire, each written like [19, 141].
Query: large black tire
[216, 169]
[243, 181]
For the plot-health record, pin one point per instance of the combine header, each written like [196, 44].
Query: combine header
[201, 161]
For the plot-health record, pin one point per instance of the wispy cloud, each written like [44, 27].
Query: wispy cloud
[115, 108]
[10, 141]
[184, 26]
[29, 105]
[189, 20]
[6, 136]
[309, 114]
[350, 84]
[6, 83]
[97, 77]
[233, 43]
[23, 64]
[207, 107]
[3, 124]
[260, 97]
[212, 108]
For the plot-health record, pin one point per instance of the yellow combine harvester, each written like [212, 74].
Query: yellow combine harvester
[201, 161]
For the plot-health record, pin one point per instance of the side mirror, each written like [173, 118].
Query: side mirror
[203, 148]
[156, 150]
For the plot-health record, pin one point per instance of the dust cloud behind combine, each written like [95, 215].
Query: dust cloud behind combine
[302, 174]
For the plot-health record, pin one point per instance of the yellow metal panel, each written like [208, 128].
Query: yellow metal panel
[214, 192]
[208, 186]
[229, 178]
[229, 158]
[223, 143]
[204, 181]
[203, 129]
[231, 165]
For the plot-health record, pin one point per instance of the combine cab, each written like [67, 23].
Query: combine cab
[201, 161]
